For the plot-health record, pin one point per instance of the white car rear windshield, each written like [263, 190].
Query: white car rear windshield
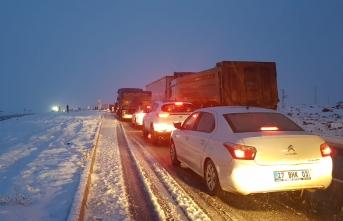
[253, 122]
[178, 107]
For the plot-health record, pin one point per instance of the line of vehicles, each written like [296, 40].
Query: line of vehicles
[229, 83]
[222, 123]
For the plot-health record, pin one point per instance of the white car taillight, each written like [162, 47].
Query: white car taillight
[241, 152]
[269, 128]
[325, 150]
[163, 115]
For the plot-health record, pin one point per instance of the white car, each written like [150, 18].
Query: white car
[137, 116]
[250, 150]
[159, 121]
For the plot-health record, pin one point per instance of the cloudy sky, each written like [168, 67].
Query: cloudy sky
[74, 52]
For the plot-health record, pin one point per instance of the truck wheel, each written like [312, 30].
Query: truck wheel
[211, 178]
[154, 137]
[119, 115]
[173, 155]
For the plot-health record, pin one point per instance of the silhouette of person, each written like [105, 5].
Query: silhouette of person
[67, 108]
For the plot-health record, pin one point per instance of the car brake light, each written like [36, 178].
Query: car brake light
[178, 103]
[241, 152]
[163, 115]
[269, 128]
[325, 150]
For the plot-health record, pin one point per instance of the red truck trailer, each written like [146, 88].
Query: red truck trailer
[229, 83]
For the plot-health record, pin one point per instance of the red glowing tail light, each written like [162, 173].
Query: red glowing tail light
[269, 128]
[325, 150]
[241, 152]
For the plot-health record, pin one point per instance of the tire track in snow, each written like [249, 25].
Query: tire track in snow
[140, 205]
[179, 196]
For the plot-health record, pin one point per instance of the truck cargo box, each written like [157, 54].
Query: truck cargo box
[229, 83]
[159, 88]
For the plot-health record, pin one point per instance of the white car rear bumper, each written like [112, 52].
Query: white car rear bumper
[246, 177]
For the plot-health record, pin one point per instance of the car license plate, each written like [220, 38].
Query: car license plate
[292, 175]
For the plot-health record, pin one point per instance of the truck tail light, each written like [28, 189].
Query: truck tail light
[325, 150]
[241, 152]
[163, 115]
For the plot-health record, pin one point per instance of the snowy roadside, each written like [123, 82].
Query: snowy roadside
[41, 158]
[77, 208]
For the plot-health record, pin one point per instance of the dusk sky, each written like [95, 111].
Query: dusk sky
[74, 52]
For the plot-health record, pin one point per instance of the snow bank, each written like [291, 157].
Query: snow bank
[77, 208]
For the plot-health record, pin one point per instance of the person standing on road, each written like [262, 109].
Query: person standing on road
[67, 108]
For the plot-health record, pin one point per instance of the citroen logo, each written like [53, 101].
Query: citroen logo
[291, 150]
[290, 147]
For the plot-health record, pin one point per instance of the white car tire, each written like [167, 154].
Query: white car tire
[211, 178]
[154, 137]
[135, 124]
[145, 133]
[173, 155]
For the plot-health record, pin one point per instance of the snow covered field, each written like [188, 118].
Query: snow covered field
[42, 156]
[324, 120]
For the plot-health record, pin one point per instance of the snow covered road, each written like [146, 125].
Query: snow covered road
[143, 192]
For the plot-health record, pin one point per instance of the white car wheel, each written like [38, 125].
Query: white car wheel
[173, 155]
[145, 133]
[135, 123]
[154, 137]
[211, 178]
